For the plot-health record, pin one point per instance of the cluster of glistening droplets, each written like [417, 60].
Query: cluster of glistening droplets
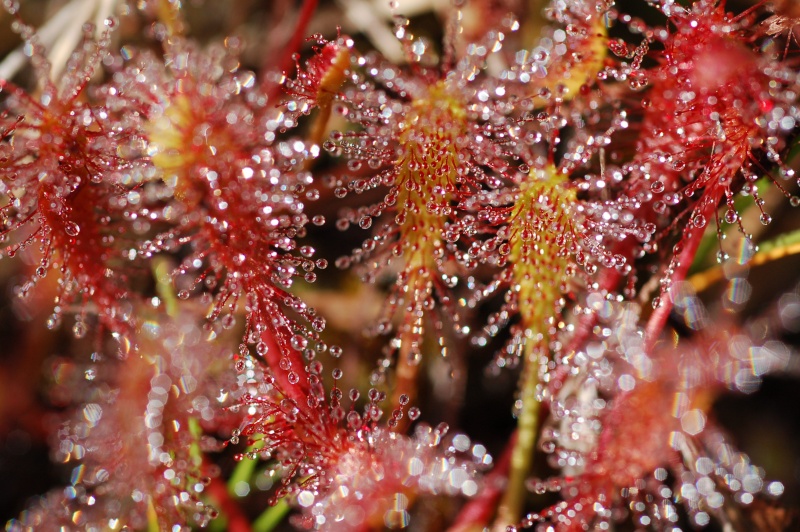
[234, 194]
[216, 182]
[662, 400]
[513, 170]
[714, 122]
[345, 468]
[134, 441]
[469, 218]
[431, 138]
[590, 218]
[68, 203]
[529, 227]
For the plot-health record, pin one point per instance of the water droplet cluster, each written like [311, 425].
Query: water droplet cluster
[716, 108]
[345, 466]
[134, 444]
[661, 400]
[543, 189]
[235, 191]
[63, 183]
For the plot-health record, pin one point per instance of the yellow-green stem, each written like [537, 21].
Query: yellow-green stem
[513, 500]
[271, 517]
[162, 272]
[243, 472]
[540, 237]
[152, 516]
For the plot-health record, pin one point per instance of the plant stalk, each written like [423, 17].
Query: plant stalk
[406, 375]
[513, 500]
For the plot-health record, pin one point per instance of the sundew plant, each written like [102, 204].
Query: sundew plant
[356, 265]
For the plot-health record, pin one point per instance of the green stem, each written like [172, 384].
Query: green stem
[783, 246]
[522, 456]
[243, 471]
[195, 452]
[162, 270]
[152, 517]
[271, 517]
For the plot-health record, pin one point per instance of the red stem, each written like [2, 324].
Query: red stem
[287, 63]
[218, 492]
[609, 279]
[278, 349]
[658, 319]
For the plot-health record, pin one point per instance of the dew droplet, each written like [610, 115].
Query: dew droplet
[72, 229]
[699, 221]
[537, 486]
[79, 329]
[298, 342]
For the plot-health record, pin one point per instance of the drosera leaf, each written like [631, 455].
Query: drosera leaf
[565, 76]
[540, 221]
